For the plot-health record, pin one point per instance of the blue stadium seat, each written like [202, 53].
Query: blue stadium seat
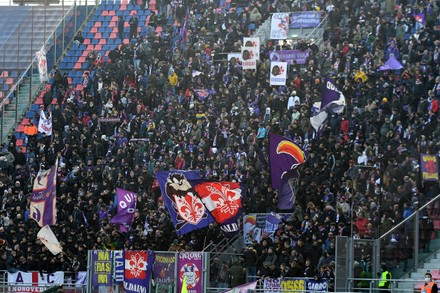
[13, 74]
[110, 41]
[35, 107]
[95, 42]
[30, 114]
[5, 87]
[105, 35]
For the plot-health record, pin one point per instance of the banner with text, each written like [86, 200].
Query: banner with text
[190, 265]
[278, 73]
[429, 167]
[294, 285]
[254, 225]
[101, 268]
[33, 281]
[305, 19]
[279, 28]
[289, 56]
[248, 58]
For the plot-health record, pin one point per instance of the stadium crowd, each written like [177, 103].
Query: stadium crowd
[142, 111]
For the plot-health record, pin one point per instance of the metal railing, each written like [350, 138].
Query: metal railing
[56, 44]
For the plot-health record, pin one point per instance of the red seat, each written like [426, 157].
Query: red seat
[112, 24]
[9, 80]
[86, 42]
[104, 13]
[152, 2]
[111, 13]
[98, 47]
[25, 121]
[158, 29]
[4, 74]
[20, 128]
[115, 18]
[152, 6]
[69, 80]
[82, 59]
[89, 48]
[77, 66]
[19, 142]
[123, 7]
[102, 42]
[98, 36]
[94, 30]
[79, 87]
[39, 101]
[54, 101]
[98, 24]
[112, 36]
[23, 149]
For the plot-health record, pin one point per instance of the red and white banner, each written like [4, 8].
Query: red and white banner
[248, 58]
[33, 281]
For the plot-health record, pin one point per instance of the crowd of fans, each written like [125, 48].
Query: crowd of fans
[141, 111]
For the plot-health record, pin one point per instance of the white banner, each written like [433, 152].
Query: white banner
[249, 60]
[278, 73]
[253, 42]
[50, 240]
[45, 124]
[279, 28]
[33, 282]
[42, 65]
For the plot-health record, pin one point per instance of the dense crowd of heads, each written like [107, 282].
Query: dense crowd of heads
[141, 111]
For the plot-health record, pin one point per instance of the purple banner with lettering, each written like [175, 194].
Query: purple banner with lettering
[289, 56]
[126, 201]
[429, 167]
[43, 197]
[305, 19]
[138, 270]
[101, 268]
[164, 268]
[189, 265]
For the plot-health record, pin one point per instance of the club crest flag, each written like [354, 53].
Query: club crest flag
[284, 155]
[279, 28]
[245, 288]
[278, 73]
[248, 57]
[126, 201]
[138, 268]
[429, 167]
[236, 55]
[224, 201]
[42, 65]
[45, 124]
[333, 101]
[253, 42]
[48, 238]
[186, 209]
[190, 268]
[43, 197]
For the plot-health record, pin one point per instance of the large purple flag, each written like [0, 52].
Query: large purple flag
[284, 156]
[124, 217]
[186, 209]
[43, 197]
[332, 101]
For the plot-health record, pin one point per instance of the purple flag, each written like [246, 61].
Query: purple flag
[138, 269]
[43, 197]
[284, 156]
[189, 265]
[289, 56]
[186, 209]
[243, 288]
[164, 268]
[391, 64]
[101, 268]
[287, 192]
[333, 101]
[124, 217]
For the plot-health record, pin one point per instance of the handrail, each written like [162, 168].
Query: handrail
[410, 217]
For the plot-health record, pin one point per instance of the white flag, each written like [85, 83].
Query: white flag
[42, 65]
[45, 124]
[50, 240]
